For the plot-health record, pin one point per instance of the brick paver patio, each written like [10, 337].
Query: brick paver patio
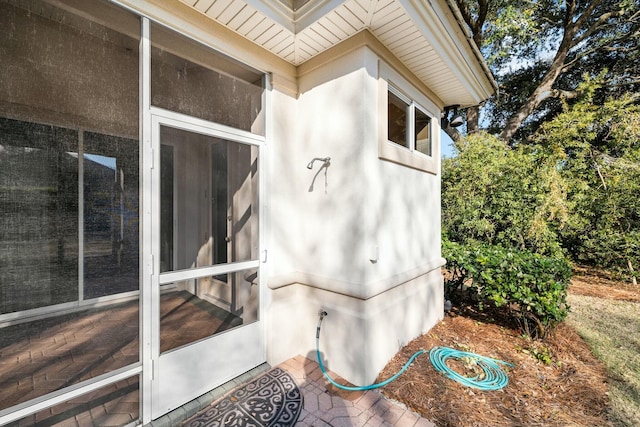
[327, 406]
[50, 354]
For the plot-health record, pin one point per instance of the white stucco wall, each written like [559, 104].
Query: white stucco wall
[365, 244]
[333, 123]
[363, 221]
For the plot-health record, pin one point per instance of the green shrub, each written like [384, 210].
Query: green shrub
[529, 288]
[510, 197]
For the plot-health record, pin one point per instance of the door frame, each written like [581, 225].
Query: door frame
[155, 365]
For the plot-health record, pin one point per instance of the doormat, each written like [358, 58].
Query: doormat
[272, 399]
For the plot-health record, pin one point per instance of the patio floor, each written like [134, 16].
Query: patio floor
[43, 356]
[328, 406]
[46, 355]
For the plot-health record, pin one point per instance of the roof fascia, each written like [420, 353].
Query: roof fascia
[472, 44]
[451, 43]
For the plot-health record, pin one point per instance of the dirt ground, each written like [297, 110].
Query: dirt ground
[555, 382]
[594, 283]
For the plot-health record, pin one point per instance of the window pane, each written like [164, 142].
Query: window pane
[423, 132]
[397, 120]
[209, 216]
[192, 79]
[68, 194]
[111, 215]
[38, 215]
[42, 356]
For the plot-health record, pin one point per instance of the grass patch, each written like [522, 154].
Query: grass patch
[610, 328]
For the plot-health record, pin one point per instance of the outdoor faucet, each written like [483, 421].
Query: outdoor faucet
[325, 160]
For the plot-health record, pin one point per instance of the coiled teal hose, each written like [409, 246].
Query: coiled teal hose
[494, 378]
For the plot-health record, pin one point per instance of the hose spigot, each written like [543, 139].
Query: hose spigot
[321, 314]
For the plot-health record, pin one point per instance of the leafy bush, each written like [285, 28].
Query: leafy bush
[597, 152]
[529, 288]
[570, 189]
[499, 196]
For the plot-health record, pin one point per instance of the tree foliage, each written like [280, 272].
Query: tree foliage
[500, 196]
[597, 148]
[540, 50]
[571, 190]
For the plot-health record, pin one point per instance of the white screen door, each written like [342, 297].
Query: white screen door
[206, 320]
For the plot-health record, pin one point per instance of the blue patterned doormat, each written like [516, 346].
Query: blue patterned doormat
[272, 399]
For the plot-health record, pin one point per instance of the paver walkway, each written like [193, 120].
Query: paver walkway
[327, 406]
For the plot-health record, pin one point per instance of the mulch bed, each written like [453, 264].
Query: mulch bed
[571, 390]
[599, 284]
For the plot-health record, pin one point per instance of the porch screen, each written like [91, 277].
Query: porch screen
[192, 79]
[68, 194]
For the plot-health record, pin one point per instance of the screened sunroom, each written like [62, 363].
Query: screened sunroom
[77, 79]
[185, 183]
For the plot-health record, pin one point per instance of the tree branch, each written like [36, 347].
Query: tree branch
[620, 49]
[483, 9]
[631, 81]
[605, 47]
[596, 25]
[584, 17]
[466, 14]
[614, 161]
[569, 65]
[453, 133]
[568, 17]
[604, 184]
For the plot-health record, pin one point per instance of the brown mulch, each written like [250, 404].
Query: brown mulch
[571, 390]
[593, 283]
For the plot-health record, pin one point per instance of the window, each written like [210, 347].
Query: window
[407, 124]
[422, 132]
[407, 131]
[398, 112]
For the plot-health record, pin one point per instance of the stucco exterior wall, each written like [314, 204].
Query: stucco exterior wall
[362, 242]
[332, 122]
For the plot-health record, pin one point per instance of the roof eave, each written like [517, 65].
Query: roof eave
[455, 45]
[472, 45]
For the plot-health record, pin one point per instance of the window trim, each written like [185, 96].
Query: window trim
[390, 81]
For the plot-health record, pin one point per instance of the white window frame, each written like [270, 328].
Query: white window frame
[391, 81]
